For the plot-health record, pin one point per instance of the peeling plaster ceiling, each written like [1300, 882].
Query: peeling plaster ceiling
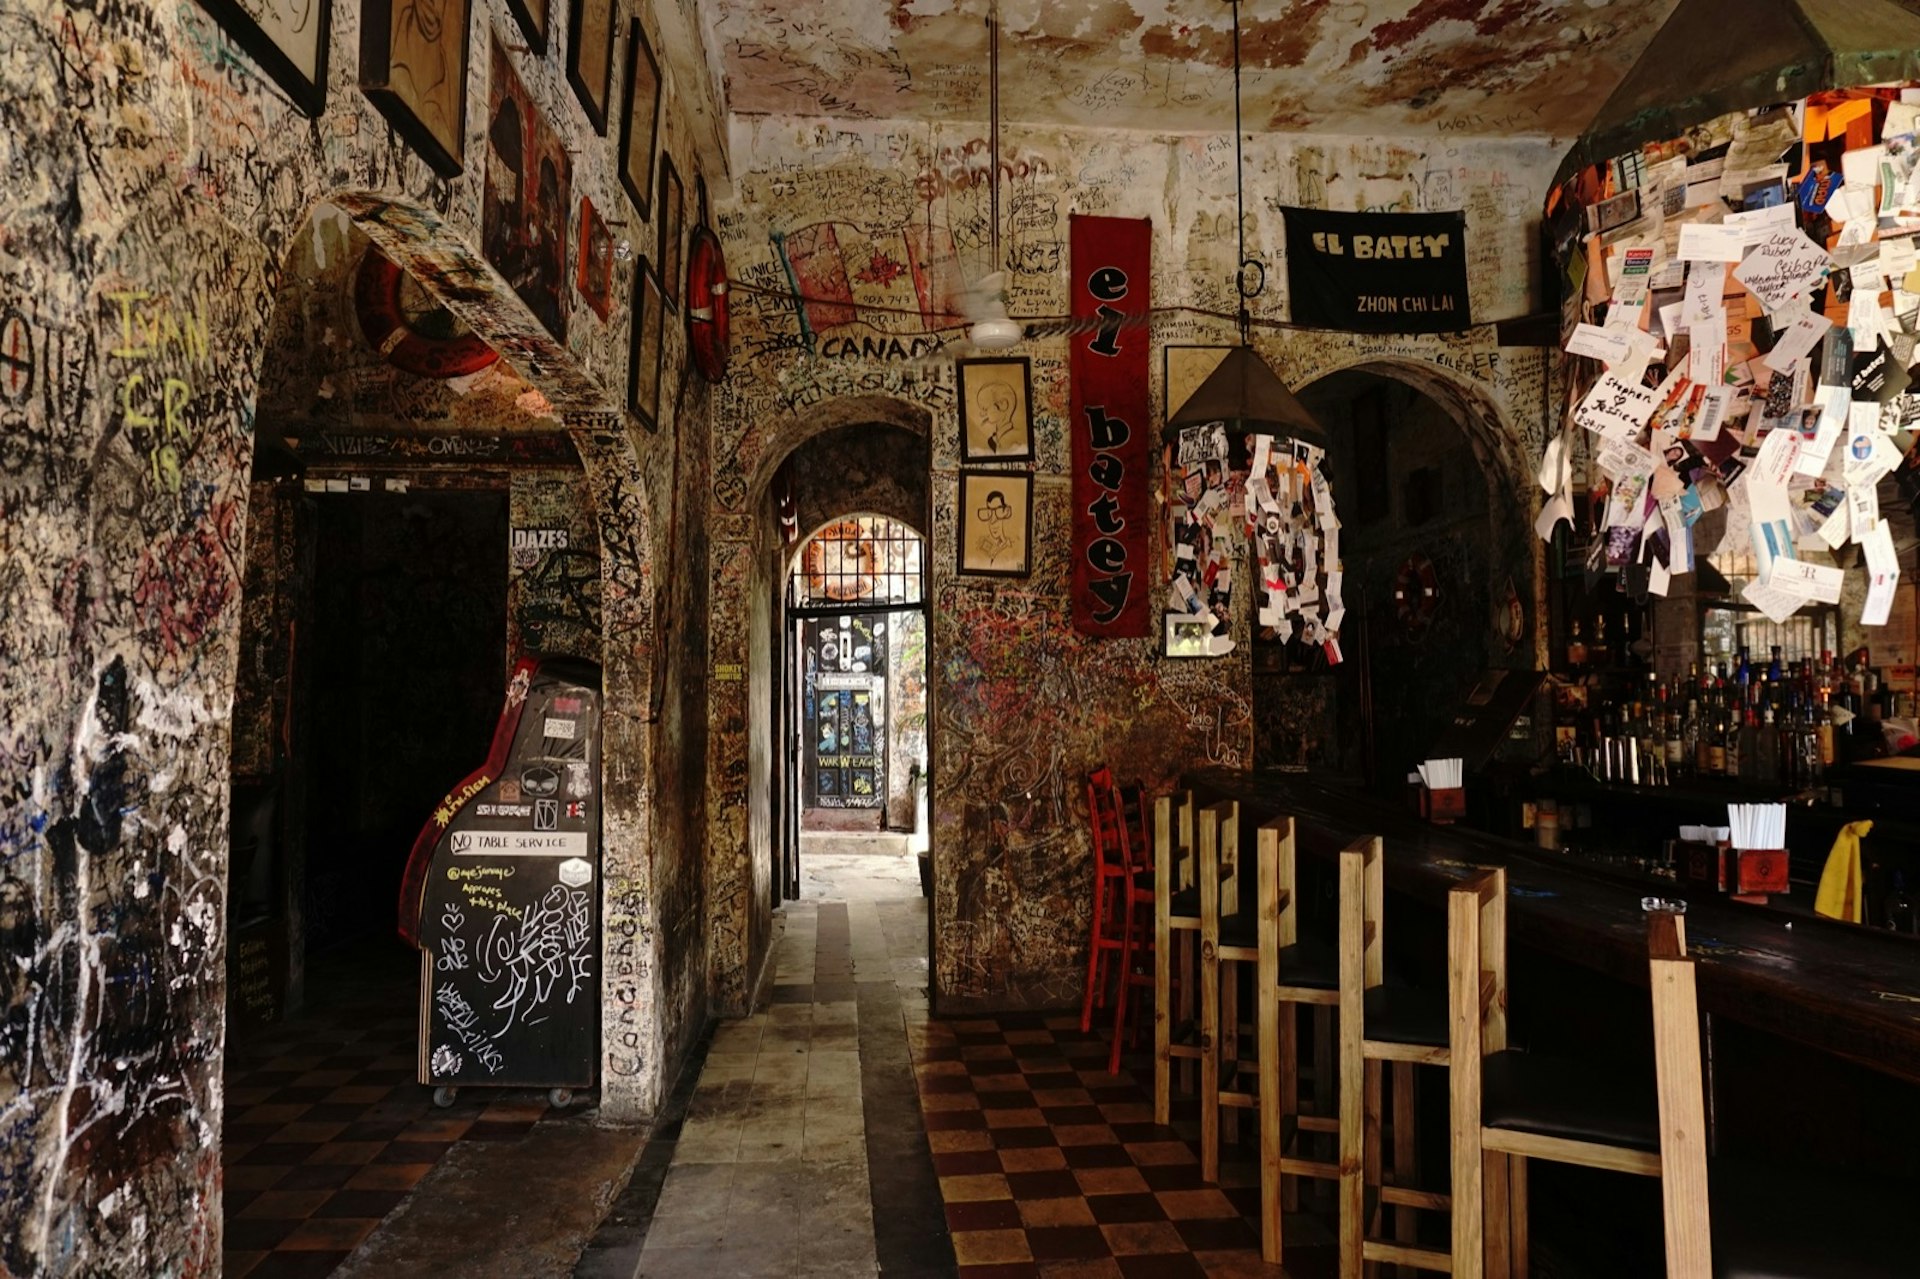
[1488, 68]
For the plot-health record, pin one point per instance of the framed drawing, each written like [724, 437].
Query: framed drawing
[413, 67]
[532, 17]
[590, 57]
[996, 409]
[1186, 368]
[1190, 634]
[640, 128]
[672, 217]
[288, 38]
[593, 278]
[645, 349]
[527, 197]
[996, 523]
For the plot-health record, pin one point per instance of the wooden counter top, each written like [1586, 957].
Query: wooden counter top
[1843, 989]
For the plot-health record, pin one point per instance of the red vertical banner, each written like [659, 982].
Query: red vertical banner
[1112, 449]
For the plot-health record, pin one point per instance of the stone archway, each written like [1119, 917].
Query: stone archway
[1496, 435]
[748, 559]
[632, 1039]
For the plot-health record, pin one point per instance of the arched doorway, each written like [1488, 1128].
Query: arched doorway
[1435, 579]
[856, 705]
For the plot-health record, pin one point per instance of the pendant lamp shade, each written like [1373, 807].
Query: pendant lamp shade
[1246, 394]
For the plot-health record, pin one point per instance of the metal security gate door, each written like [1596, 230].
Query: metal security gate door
[844, 705]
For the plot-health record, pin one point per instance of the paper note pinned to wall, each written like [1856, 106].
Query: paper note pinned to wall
[1615, 408]
[1883, 575]
[1794, 345]
[1610, 346]
[1708, 242]
[1783, 264]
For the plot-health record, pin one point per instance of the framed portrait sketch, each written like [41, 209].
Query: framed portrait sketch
[640, 128]
[288, 38]
[996, 409]
[590, 26]
[996, 523]
[413, 67]
[1186, 368]
[643, 355]
[532, 17]
[672, 218]
[593, 278]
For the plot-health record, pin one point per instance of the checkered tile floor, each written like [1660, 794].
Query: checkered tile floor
[326, 1131]
[1050, 1166]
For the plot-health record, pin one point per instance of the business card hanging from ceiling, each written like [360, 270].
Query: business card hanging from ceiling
[1378, 272]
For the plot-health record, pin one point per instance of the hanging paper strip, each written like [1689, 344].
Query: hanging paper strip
[1112, 444]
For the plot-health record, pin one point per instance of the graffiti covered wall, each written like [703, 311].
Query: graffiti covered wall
[883, 226]
[159, 182]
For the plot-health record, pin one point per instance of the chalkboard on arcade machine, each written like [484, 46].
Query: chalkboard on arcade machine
[502, 897]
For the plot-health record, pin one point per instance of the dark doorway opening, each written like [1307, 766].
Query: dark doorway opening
[409, 671]
[1417, 548]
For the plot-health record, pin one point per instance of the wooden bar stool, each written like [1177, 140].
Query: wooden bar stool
[1289, 974]
[1723, 1220]
[1509, 1107]
[1402, 1028]
[1112, 913]
[1219, 899]
[1176, 925]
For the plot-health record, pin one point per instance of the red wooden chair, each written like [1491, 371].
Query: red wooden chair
[1111, 878]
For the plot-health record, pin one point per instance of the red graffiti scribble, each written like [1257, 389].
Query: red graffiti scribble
[182, 587]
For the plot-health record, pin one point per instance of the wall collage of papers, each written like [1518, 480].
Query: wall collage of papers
[1289, 517]
[1744, 304]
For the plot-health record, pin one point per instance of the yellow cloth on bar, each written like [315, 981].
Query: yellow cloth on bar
[1843, 890]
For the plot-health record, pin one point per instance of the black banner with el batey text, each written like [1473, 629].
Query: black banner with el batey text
[1378, 272]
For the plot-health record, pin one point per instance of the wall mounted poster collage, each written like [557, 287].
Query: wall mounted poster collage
[1287, 511]
[413, 68]
[1756, 314]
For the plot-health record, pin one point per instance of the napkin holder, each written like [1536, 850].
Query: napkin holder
[1745, 874]
[1444, 806]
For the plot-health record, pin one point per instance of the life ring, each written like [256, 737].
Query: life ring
[1416, 591]
[427, 343]
[707, 304]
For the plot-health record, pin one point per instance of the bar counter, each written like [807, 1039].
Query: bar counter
[1842, 989]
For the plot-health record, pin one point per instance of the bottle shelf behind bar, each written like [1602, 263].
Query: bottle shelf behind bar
[1778, 725]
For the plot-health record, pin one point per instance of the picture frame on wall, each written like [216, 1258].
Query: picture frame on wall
[413, 68]
[996, 523]
[640, 125]
[593, 278]
[1185, 368]
[996, 408]
[590, 31]
[288, 38]
[672, 219]
[647, 345]
[532, 15]
[1190, 634]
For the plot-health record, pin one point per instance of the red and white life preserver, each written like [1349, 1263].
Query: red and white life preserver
[707, 304]
[376, 299]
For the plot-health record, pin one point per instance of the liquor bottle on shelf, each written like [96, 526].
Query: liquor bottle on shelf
[1576, 650]
[1674, 747]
